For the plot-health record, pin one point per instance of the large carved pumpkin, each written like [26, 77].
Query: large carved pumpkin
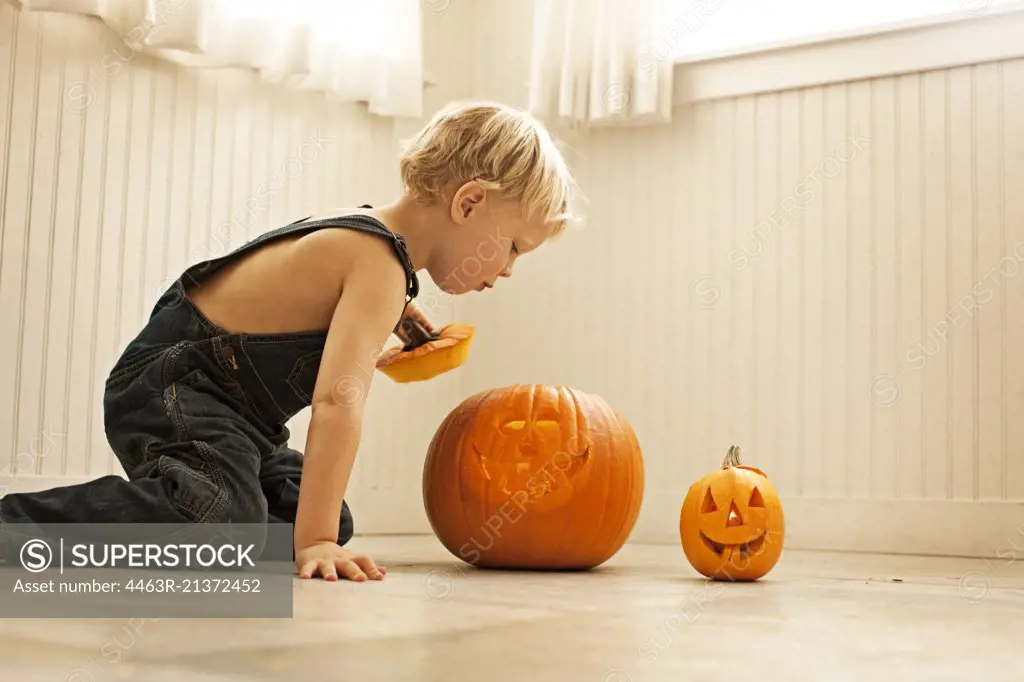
[731, 523]
[533, 476]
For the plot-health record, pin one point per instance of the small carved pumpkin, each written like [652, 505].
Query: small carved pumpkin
[731, 524]
[539, 477]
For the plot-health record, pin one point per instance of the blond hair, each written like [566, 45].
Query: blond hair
[503, 148]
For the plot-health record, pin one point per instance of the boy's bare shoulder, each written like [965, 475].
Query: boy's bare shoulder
[341, 255]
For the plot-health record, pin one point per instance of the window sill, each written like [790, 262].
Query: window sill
[936, 43]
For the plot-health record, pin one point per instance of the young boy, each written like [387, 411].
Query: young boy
[196, 406]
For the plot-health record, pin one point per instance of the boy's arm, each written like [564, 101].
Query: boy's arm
[363, 320]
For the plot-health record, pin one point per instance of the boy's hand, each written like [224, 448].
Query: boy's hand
[429, 359]
[328, 559]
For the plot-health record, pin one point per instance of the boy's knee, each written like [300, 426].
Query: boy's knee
[208, 496]
[346, 527]
[242, 530]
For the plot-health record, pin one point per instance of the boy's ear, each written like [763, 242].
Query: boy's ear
[468, 199]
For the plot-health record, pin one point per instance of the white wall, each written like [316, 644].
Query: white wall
[116, 172]
[813, 274]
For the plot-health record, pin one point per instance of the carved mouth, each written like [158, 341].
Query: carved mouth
[745, 549]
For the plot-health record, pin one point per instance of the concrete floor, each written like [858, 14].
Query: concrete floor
[645, 615]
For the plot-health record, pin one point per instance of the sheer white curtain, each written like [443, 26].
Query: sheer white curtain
[592, 62]
[356, 50]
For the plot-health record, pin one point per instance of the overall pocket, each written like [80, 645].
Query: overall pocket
[302, 378]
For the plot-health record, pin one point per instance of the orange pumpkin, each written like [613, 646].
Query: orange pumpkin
[731, 524]
[535, 477]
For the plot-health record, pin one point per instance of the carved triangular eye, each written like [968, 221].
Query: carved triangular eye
[755, 499]
[709, 503]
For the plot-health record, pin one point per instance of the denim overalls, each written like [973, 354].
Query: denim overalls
[197, 416]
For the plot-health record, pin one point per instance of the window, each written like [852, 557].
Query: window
[695, 28]
[364, 28]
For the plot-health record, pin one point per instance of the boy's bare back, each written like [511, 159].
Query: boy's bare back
[294, 285]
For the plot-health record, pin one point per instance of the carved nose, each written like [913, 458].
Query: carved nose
[528, 450]
[734, 516]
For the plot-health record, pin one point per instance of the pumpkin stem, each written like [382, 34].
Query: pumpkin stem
[733, 458]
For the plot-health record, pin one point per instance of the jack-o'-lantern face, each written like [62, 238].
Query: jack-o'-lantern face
[533, 476]
[532, 441]
[731, 524]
